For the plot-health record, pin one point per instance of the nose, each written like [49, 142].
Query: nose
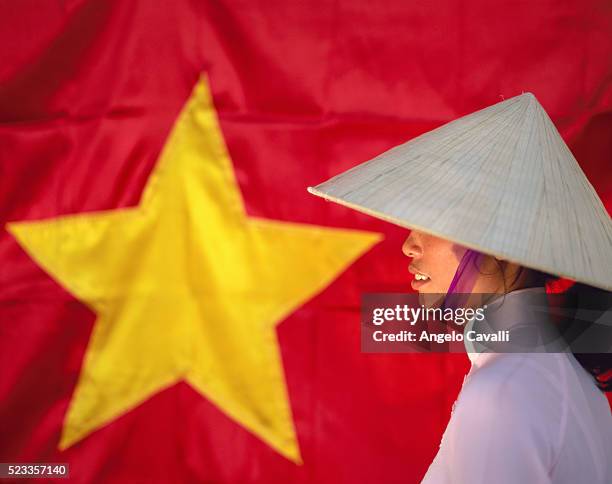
[411, 247]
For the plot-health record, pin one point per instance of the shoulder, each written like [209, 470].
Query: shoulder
[505, 422]
[516, 375]
[515, 391]
[520, 415]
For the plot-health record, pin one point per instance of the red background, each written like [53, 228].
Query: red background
[88, 93]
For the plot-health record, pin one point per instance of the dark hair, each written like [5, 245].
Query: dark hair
[577, 296]
[599, 365]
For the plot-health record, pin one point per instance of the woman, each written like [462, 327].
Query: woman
[520, 417]
[497, 204]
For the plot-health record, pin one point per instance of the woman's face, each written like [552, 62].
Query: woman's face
[433, 259]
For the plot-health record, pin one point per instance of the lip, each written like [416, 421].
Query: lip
[416, 285]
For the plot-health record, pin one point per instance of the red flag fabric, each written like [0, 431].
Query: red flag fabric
[91, 90]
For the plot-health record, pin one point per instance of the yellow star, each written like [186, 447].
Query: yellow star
[186, 286]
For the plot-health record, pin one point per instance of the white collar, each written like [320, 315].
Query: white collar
[511, 307]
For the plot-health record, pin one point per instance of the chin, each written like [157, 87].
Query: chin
[429, 289]
[430, 299]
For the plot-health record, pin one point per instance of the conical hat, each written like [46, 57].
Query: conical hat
[501, 181]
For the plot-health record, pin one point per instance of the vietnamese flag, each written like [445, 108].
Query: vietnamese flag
[174, 306]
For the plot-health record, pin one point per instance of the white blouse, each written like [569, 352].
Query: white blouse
[526, 418]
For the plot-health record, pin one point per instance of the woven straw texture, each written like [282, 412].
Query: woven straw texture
[501, 181]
